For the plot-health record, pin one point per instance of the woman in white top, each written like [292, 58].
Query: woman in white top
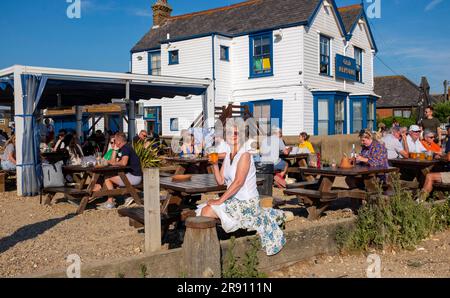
[8, 159]
[239, 206]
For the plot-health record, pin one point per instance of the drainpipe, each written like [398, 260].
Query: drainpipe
[347, 44]
[212, 101]
[345, 54]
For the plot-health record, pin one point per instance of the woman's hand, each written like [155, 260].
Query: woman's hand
[359, 158]
[214, 202]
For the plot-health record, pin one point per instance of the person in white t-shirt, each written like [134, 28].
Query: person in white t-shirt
[413, 140]
[271, 147]
[396, 144]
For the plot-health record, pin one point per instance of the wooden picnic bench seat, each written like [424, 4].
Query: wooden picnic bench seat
[440, 189]
[315, 201]
[304, 185]
[69, 192]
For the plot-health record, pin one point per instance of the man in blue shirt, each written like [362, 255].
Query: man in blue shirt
[123, 155]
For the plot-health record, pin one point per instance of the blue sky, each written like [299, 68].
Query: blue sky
[412, 35]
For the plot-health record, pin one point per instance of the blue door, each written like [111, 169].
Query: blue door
[271, 109]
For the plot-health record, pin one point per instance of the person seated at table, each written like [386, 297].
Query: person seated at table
[304, 144]
[239, 207]
[429, 144]
[373, 153]
[60, 144]
[109, 149]
[8, 158]
[123, 156]
[270, 153]
[446, 145]
[431, 179]
[75, 151]
[142, 136]
[396, 149]
[189, 147]
[413, 139]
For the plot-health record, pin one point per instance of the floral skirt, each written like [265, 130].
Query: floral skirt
[236, 214]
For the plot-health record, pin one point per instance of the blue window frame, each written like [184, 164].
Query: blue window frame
[174, 124]
[325, 55]
[261, 55]
[224, 53]
[270, 110]
[154, 63]
[174, 57]
[330, 113]
[359, 64]
[363, 113]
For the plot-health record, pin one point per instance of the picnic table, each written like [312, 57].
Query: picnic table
[87, 194]
[420, 168]
[54, 157]
[320, 197]
[184, 164]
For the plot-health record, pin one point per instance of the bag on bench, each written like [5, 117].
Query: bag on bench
[53, 175]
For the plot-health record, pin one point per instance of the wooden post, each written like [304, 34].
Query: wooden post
[152, 210]
[201, 248]
[2, 181]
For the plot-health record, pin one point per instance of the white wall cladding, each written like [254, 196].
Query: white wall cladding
[224, 71]
[287, 63]
[195, 57]
[139, 65]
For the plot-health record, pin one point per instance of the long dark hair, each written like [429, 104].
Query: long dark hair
[72, 146]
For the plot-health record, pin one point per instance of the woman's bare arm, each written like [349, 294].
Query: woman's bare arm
[239, 180]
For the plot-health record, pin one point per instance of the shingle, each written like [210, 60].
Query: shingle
[249, 16]
[349, 15]
[396, 91]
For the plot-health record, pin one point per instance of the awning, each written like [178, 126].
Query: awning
[38, 88]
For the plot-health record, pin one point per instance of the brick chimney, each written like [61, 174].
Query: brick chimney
[161, 12]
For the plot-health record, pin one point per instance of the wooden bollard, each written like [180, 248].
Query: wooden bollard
[201, 248]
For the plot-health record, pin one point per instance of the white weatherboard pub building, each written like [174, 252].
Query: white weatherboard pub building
[305, 62]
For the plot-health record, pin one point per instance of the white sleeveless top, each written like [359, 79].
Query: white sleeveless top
[249, 189]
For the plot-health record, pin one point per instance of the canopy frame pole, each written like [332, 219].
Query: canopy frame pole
[131, 113]
[19, 126]
[79, 119]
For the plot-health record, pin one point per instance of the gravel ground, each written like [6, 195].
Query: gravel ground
[430, 259]
[38, 239]
[35, 238]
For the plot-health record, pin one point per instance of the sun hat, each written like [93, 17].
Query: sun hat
[414, 128]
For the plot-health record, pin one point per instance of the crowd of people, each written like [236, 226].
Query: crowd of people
[113, 148]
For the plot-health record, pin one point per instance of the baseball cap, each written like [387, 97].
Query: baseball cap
[414, 128]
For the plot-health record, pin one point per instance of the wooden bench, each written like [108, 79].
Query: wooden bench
[440, 189]
[170, 213]
[316, 202]
[70, 193]
[304, 185]
[4, 176]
